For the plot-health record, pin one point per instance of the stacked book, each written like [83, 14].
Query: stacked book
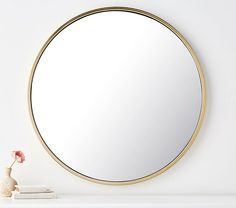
[33, 192]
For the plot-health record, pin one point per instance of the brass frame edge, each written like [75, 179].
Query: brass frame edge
[199, 69]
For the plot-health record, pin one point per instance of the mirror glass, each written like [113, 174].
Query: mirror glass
[116, 96]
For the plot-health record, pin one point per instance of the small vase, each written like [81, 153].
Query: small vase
[7, 184]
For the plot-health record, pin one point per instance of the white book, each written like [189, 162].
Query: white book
[33, 189]
[49, 195]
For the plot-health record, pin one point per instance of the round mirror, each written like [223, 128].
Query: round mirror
[116, 95]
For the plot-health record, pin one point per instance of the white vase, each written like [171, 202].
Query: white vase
[7, 183]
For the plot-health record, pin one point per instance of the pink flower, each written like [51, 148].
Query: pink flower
[18, 156]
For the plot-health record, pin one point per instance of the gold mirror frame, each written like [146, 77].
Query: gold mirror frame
[187, 45]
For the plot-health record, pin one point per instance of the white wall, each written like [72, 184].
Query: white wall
[208, 167]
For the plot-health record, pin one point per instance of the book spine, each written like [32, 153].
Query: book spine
[34, 196]
[33, 190]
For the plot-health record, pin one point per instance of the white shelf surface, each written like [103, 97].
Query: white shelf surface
[145, 201]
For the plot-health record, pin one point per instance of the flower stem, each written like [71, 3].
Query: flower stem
[13, 163]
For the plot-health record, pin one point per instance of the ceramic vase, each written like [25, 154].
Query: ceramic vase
[7, 183]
